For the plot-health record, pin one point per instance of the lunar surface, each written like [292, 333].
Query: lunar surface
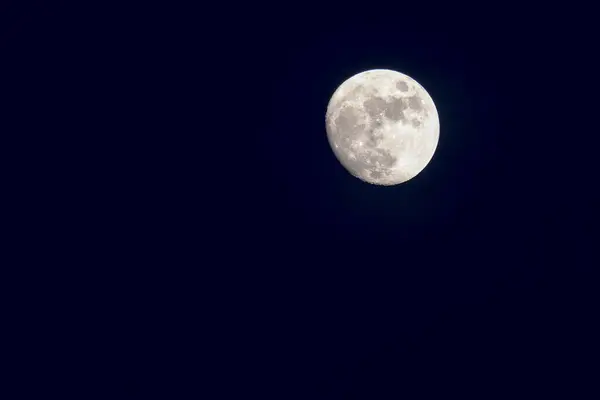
[383, 126]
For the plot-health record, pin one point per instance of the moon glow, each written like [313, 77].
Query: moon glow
[382, 126]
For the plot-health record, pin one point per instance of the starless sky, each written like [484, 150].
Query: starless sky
[181, 158]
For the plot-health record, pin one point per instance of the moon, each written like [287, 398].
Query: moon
[382, 126]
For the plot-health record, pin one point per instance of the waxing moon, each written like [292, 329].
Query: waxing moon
[383, 126]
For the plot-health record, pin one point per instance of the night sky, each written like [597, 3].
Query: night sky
[221, 248]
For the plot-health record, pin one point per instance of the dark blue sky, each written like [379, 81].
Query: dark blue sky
[222, 244]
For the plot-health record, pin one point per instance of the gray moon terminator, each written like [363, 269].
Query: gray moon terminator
[383, 126]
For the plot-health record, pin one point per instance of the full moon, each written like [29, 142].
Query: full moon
[383, 126]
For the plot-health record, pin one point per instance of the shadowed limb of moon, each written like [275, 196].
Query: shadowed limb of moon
[383, 126]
